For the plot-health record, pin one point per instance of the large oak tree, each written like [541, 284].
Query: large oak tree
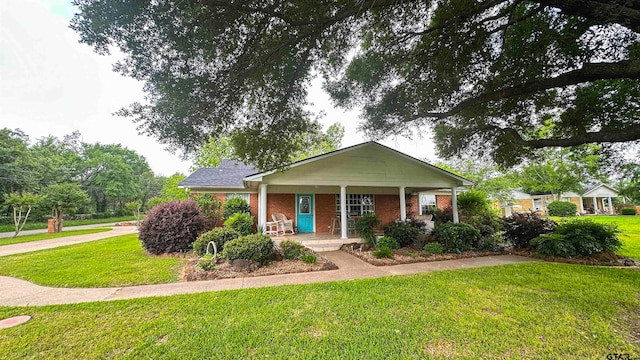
[487, 75]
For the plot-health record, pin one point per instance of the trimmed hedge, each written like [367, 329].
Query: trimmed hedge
[291, 249]
[456, 237]
[240, 222]
[404, 233]
[171, 227]
[628, 211]
[256, 247]
[562, 208]
[219, 236]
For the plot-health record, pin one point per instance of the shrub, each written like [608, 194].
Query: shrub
[309, 258]
[628, 211]
[405, 234]
[364, 227]
[388, 242]
[240, 222]
[589, 237]
[562, 208]
[171, 227]
[383, 253]
[489, 226]
[443, 216]
[521, 228]
[472, 203]
[553, 245]
[456, 237]
[291, 249]
[234, 206]
[256, 247]
[433, 248]
[219, 236]
[206, 264]
[211, 209]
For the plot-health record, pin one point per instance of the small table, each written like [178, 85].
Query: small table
[271, 228]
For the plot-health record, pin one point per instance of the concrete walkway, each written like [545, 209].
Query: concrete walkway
[16, 292]
[66, 228]
[68, 240]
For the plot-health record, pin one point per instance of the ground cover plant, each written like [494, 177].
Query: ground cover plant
[116, 261]
[523, 311]
[67, 223]
[46, 236]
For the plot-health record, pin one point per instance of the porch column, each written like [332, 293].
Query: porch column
[454, 204]
[610, 205]
[403, 205]
[343, 212]
[595, 205]
[262, 206]
[581, 206]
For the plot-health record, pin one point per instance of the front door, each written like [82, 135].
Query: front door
[305, 212]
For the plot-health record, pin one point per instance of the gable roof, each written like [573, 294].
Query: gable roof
[593, 189]
[258, 176]
[228, 174]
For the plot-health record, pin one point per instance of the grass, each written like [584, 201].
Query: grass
[115, 261]
[43, 225]
[46, 236]
[630, 227]
[531, 311]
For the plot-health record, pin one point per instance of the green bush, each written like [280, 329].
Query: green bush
[562, 208]
[490, 226]
[404, 233]
[521, 228]
[219, 236]
[628, 211]
[256, 247]
[291, 249]
[553, 245]
[456, 237]
[234, 206]
[383, 253]
[472, 203]
[206, 264]
[364, 227]
[589, 237]
[211, 209]
[433, 248]
[442, 216]
[309, 258]
[240, 222]
[388, 242]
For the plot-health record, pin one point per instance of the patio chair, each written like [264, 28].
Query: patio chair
[285, 224]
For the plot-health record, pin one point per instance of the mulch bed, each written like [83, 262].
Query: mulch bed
[409, 255]
[223, 270]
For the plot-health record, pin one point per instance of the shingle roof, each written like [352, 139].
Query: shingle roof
[228, 174]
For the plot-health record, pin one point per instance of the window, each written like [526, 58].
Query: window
[358, 204]
[244, 196]
[427, 204]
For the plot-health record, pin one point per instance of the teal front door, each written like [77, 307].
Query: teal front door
[305, 212]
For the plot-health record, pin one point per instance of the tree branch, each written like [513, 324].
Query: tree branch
[629, 133]
[625, 69]
[623, 12]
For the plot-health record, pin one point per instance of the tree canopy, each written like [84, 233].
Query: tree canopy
[487, 75]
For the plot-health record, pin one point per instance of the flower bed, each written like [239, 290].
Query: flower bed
[408, 255]
[224, 270]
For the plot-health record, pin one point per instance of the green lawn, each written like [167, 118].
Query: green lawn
[116, 261]
[37, 237]
[630, 227]
[524, 311]
[43, 225]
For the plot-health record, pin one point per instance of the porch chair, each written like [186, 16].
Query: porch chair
[284, 223]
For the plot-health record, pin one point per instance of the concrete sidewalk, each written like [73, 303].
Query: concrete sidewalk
[16, 292]
[66, 228]
[68, 240]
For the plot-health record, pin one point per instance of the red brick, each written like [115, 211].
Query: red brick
[281, 203]
[443, 201]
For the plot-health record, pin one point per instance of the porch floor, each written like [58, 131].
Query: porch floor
[319, 241]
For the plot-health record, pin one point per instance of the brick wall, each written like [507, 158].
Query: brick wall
[325, 211]
[281, 203]
[443, 201]
[413, 206]
[387, 208]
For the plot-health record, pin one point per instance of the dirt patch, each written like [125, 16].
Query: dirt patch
[409, 255]
[223, 270]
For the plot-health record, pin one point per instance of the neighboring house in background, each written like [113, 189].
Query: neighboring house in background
[596, 199]
[330, 188]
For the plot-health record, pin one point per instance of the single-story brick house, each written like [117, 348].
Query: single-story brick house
[596, 199]
[326, 189]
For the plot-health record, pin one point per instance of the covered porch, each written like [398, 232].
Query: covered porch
[319, 241]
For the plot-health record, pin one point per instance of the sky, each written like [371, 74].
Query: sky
[50, 84]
